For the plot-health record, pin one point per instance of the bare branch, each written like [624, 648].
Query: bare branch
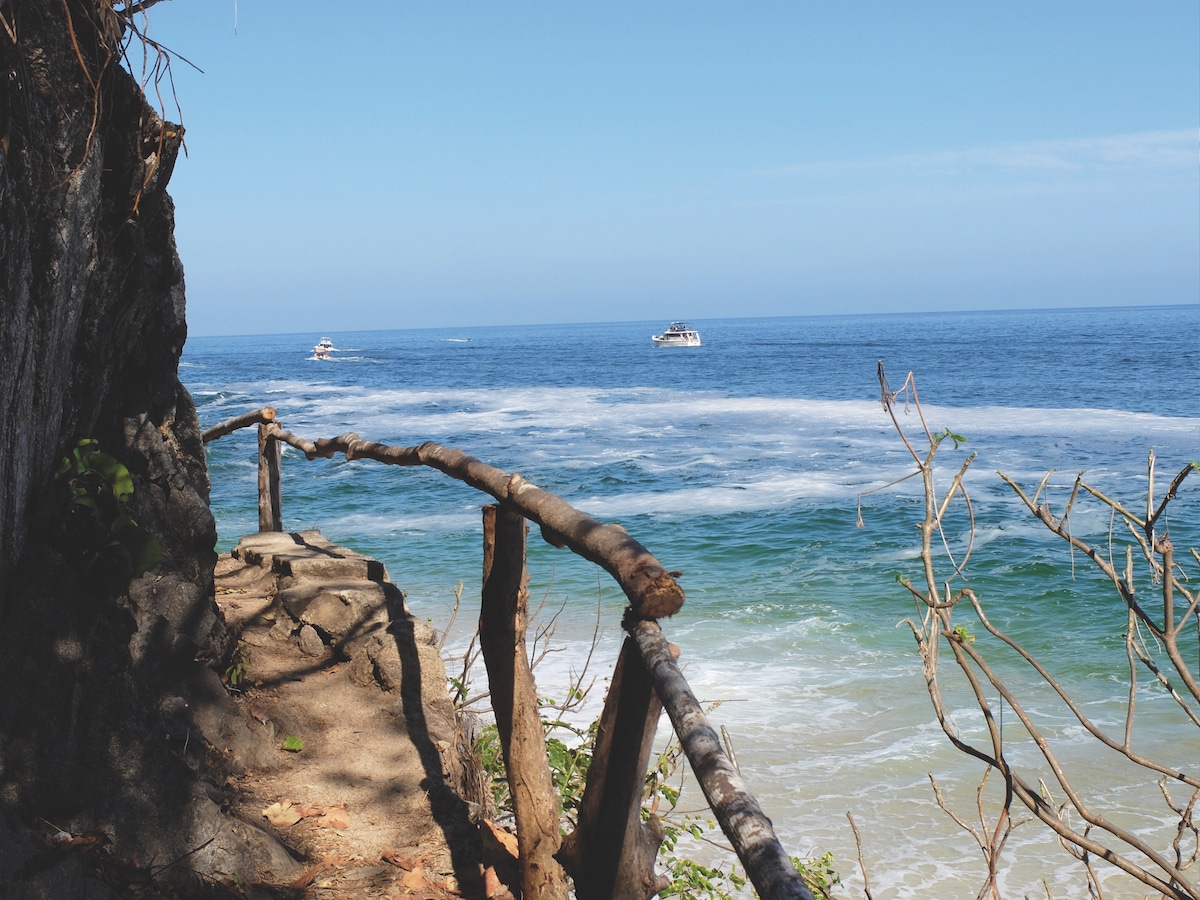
[861, 862]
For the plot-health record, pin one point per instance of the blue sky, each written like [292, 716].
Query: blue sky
[388, 164]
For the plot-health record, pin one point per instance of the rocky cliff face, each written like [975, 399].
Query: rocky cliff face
[98, 680]
[92, 320]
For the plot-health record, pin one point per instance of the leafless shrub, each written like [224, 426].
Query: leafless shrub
[1162, 638]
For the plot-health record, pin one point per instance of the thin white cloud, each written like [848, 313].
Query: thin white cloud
[1147, 149]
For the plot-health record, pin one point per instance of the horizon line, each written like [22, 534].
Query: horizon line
[940, 312]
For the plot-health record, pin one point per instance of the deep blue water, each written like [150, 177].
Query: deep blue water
[741, 463]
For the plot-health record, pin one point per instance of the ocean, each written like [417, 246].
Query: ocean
[742, 463]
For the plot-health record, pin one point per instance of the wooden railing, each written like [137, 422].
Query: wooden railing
[611, 853]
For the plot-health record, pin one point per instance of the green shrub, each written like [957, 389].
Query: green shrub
[93, 525]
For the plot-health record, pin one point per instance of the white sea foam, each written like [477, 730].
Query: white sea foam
[724, 499]
[669, 409]
[466, 520]
[849, 444]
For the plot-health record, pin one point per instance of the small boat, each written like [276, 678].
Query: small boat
[324, 346]
[678, 334]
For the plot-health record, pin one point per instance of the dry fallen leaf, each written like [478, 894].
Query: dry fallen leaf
[415, 879]
[335, 817]
[282, 814]
[491, 882]
[400, 861]
[305, 878]
[496, 839]
[87, 839]
[494, 887]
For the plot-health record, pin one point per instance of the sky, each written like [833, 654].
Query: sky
[391, 164]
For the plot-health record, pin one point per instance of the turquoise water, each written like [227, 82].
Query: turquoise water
[741, 463]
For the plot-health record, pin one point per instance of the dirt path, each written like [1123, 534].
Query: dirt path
[351, 695]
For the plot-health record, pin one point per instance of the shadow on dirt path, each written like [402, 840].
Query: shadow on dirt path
[362, 769]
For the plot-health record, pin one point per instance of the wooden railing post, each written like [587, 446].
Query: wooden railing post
[503, 615]
[270, 515]
[611, 853]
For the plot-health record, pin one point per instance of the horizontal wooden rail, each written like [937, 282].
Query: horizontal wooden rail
[653, 593]
[264, 416]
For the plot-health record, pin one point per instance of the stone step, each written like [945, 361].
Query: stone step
[306, 554]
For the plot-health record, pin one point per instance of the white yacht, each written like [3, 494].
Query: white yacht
[323, 348]
[678, 334]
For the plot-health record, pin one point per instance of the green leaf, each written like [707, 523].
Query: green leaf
[84, 451]
[293, 744]
[114, 474]
[947, 433]
[83, 499]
